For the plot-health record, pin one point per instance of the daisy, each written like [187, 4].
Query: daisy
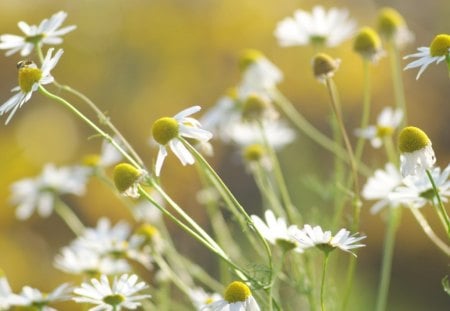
[325, 241]
[318, 28]
[368, 44]
[46, 33]
[201, 299]
[127, 179]
[7, 297]
[388, 120]
[167, 132]
[40, 193]
[30, 79]
[438, 51]
[32, 297]
[324, 66]
[122, 293]
[417, 190]
[237, 297]
[381, 185]
[276, 231]
[392, 26]
[417, 155]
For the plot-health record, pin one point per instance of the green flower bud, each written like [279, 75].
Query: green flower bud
[324, 66]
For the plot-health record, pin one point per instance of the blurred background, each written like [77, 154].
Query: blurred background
[143, 59]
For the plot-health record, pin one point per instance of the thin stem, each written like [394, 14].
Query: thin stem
[388, 254]
[441, 209]
[165, 267]
[397, 81]
[322, 286]
[366, 110]
[429, 231]
[69, 217]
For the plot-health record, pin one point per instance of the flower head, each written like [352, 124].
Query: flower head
[47, 32]
[39, 193]
[368, 44]
[201, 299]
[127, 178]
[325, 241]
[324, 66]
[237, 297]
[30, 78]
[417, 154]
[318, 28]
[167, 131]
[32, 297]
[387, 122]
[392, 26]
[438, 51]
[122, 293]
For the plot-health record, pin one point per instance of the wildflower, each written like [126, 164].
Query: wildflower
[392, 26]
[318, 28]
[127, 178]
[417, 190]
[123, 293]
[167, 131]
[387, 122]
[46, 33]
[368, 44]
[7, 297]
[32, 297]
[237, 297]
[276, 231]
[438, 51]
[324, 66]
[30, 78]
[381, 185]
[201, 299]
[417, 155]
[325, 241]
[40, 192]
[259, 75]
[256, 108]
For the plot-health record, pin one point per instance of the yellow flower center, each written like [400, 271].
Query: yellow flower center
[254, 152]
[28, 76]
[237, 291]
[440, 45]
[91, 160]
[148, 231]
[165, 129]
[125, 175]
[384, 131]
[389, 21]
[367, 42]
[254, 107]
[412, 139]
[249, 57]
[324, 65]
[114, 299]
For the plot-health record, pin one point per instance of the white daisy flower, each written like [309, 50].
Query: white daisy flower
[388, 120]
[438, 51]
[276, 231]
[33, 297]
[417, 155]
[201, 299]
[122, 293]
[166, 132]
[30, 78]
[381, 185]
[417, 190]
[46, 33]
[237, 297]
[325, 241]
[77, 260]
[318, 28]
[39, 193]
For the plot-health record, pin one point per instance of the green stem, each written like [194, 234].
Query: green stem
[322, 286]
[165, 267]
[366, 110]
[69, 217]
[388, 254]
[440, 208]
[397, 81]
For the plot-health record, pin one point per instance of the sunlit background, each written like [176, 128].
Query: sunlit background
[143, 59]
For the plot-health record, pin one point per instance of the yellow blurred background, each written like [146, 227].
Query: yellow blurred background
[143, 59]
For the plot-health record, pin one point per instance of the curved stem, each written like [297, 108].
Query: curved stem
[322, 286]
[440, 208]
[397, 81]
[69, 217]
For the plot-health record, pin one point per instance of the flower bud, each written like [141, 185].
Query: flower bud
[324, 66]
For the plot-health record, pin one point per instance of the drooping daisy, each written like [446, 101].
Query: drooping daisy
[122, 293]
[380, 185]
[417, 155]
[438, 51]
[39, 193]
[201, 299]
[318, 28]
[392, 27]
[127, 179]
[166, 132]
[325, 241]
[46, 33]
[237, 297]
[388, 120]
[30, 78]
[324, 66]
[276, 231]
[33, 297]
[417, 190]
